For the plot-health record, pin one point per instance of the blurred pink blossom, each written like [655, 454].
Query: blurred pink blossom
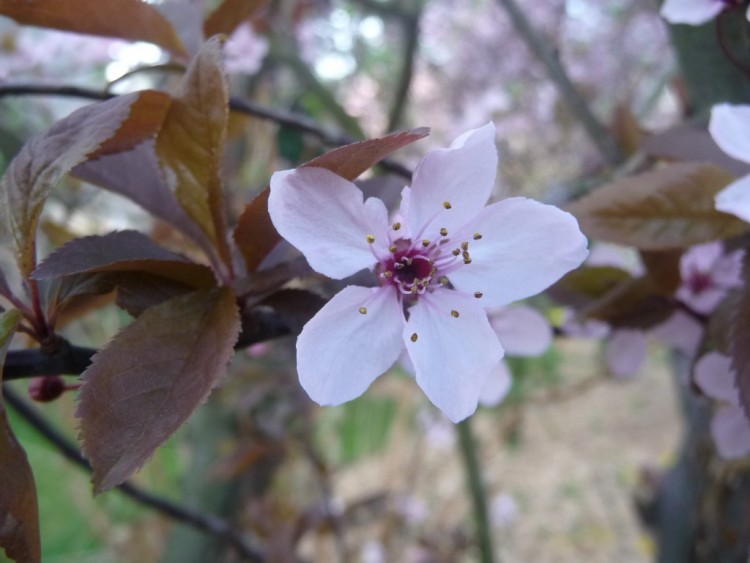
[694, 12]
[730, 427]
[450, 260]
[245, 51]
[730, 128]
[707, 274]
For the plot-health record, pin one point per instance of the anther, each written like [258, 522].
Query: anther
[388, 274]
[398, 265]
[447, 204]
[414, 337]
[454, 314]
[478, 294]
[466, 255]
[425, 243]
[444, 280]
[408, 261]
[456, 252]
[370, 238]
[363, 310]
[393, 248]
[467, 260]
[477, 236]
[444, 232]
[464, 246]
[396, 226]
[433, 271]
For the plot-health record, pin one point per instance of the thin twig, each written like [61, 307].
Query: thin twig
[598, 134]
[477, 492]
[411, 45]
[240, 105]
[207, 523]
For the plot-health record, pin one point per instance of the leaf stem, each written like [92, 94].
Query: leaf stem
[476, 490]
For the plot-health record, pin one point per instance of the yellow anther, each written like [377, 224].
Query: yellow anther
[444, 280]
[363, 310]
[477, 236]
[393, 248]
[464, 246]
[456, 252]
[478, 294]
[466, 255]
[467, 260]
[414, 337]
[447, 204]
[433, 271]
[370, 238]
[388, 274]
[396, 226]
[425, 242]
[444, 232]
[454, 314]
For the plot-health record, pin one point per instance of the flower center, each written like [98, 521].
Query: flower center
[699, 281]
[409, 268]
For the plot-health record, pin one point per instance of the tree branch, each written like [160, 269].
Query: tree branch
[411, 33]
[206, 523]
[597, 132]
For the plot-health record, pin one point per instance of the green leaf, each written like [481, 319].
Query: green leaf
[19, 513]
[133, 20]
[670, 207]
[148, 380]
[190, 144]
[255, 235]
[47, 157]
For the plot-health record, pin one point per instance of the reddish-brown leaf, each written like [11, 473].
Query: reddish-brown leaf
[663, 267]
[47, 157]
[133, 20]
[19, 515]
[626, 130]
[230, 14]
[191, 143]
[583, 286]
[670, 207]
[148, 380]
[123, 251]
[634, 304]
[740, 338]
[255, 235]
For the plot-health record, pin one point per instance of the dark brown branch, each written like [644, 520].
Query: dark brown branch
[598, 134]
[207, 523]
[411, 34]
[240, 105]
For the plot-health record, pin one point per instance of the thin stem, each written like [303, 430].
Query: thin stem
[597, 132]
[411, 46]
[207, 523]
[476, 489]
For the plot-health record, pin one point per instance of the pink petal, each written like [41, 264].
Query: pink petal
[701, 258]
[692, 12]
[452, 355]
[324, 216]
[735, 199]
[526, 246]
[704, 301]
[522, 330]
[714, 376]
[727, 270]
[341, 351]
[462, 175]
[626, 352]
[680, 331]
[730, 430]
[730, 128]
[496, 386]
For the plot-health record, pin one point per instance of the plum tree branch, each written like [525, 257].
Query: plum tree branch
[207, 523]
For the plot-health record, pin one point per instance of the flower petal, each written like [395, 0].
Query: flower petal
[497, 385]
[626, 352]
[714, 376]
[522, 330]
[341, 351]
[323, 215]
[730, 128]
[526, 246]
[730, 430]
[735, 199]
[681, 331]
[452, 354]
[692, 12]
[462, 175]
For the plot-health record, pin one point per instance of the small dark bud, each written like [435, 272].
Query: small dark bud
[47, 388]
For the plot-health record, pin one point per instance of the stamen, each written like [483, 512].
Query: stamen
[467, 260]
[444, 232]
[478, 294]
[454, 314]
[414, 337]
[408, 261]
[444, 280]
[456, 252]
[464, 246]
[363, 310]
[477, 236]
[393, 248]
[396, 226]
[370, 239]
[425, 243]
[447, 204]
[398, 265]
[388, 274]
[466, 255]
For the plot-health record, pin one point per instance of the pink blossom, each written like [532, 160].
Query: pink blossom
[694, 12]
[730, 427]
[245, 51]
[707, 274]
[438, 269]
[729, 127]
